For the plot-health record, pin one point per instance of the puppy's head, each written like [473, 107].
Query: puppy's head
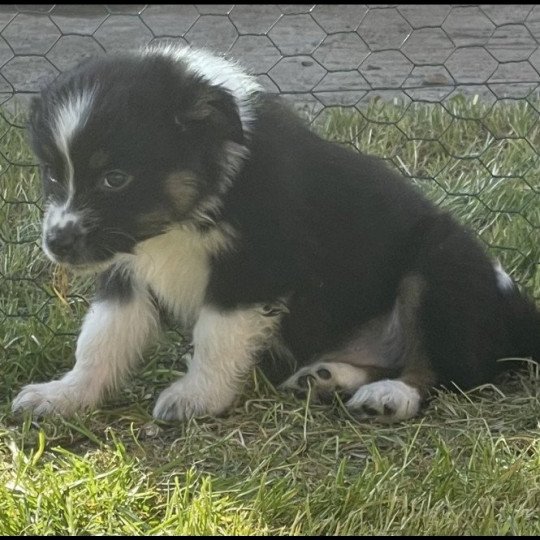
[128, 146]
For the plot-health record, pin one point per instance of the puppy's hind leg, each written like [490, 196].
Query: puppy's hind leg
[396, 399]
[384, 369]
[453, 322]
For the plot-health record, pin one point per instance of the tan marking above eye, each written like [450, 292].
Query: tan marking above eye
[182, 188]
[98, 159]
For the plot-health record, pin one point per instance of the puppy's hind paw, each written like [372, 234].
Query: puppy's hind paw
[325, 379]
[388, 400]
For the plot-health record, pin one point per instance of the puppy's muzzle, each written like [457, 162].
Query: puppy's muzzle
[65, 242]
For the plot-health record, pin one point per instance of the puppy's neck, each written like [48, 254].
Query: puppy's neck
[175, 266]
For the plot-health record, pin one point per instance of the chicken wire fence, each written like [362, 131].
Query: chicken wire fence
[448, 94]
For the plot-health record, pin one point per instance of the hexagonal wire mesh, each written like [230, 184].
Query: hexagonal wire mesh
[447, 94]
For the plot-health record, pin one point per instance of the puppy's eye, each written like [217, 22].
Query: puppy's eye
[115, 180]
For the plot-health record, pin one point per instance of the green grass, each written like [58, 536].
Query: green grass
[275, 465]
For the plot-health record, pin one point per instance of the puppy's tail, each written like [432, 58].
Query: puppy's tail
[522, 319]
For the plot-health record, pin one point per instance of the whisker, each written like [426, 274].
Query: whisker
[118, 232]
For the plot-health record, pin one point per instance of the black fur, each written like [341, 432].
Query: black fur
[337, 231]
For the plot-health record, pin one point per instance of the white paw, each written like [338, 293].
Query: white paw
[326, 378]
[185, 399]
[55, 397]
[389, 400]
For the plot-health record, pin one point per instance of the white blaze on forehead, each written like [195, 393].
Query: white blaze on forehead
[71, 115]
[217, 71]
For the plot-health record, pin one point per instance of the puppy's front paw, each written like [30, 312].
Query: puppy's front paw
[55, 397]
[185, 399]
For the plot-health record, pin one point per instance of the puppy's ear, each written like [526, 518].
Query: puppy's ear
[214, 110]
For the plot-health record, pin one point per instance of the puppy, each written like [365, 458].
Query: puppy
[171, 174]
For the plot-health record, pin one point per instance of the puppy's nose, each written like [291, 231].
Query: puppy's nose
[61, 240]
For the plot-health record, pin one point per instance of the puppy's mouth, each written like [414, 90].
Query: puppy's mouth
[85, 253]
[88, 268]
[78, 264]
[83, 268]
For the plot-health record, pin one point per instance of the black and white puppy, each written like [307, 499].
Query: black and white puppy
[172, 174]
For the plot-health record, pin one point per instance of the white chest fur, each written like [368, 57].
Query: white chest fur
[176, 267]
